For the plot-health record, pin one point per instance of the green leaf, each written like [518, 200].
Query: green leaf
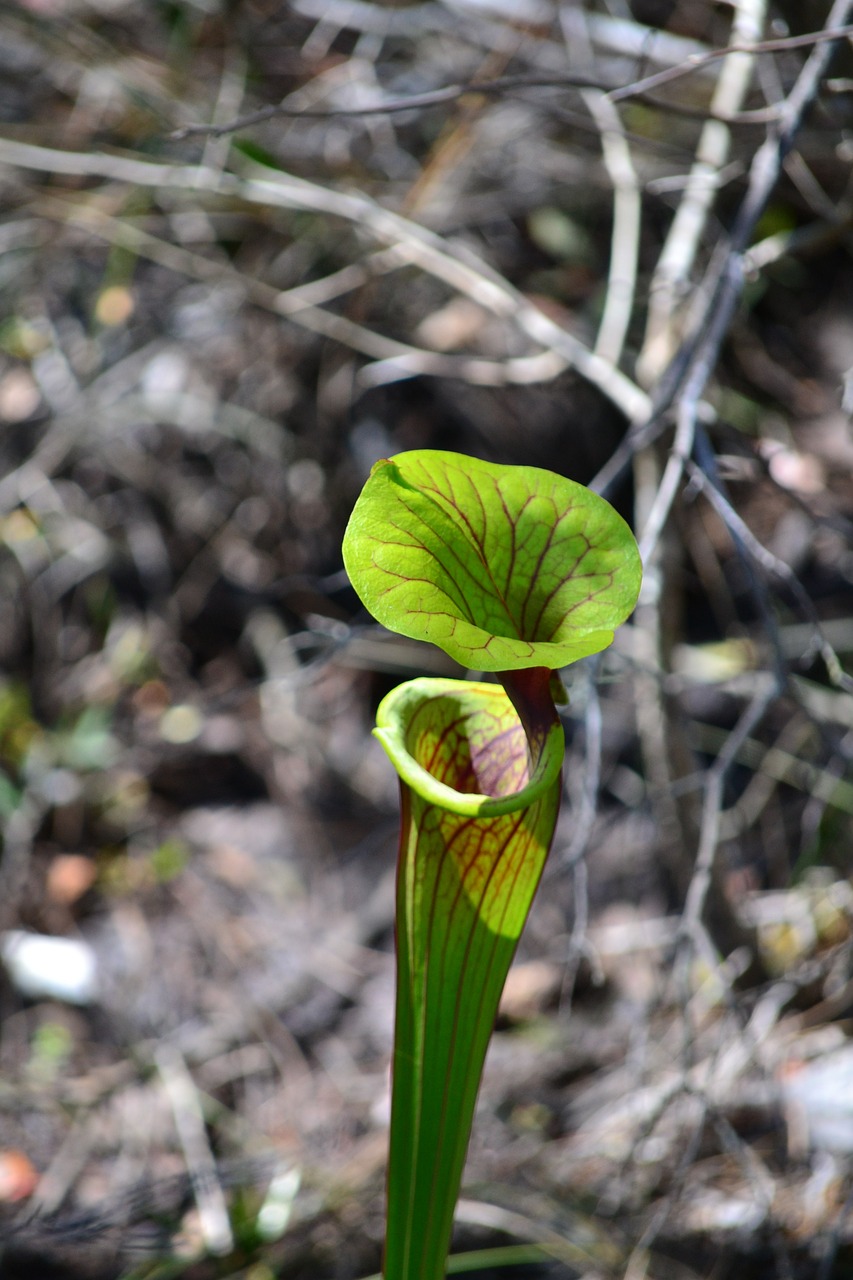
[503, 567]
[479, 806]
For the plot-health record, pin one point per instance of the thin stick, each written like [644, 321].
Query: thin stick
[503, 85]
[231, 90]
[724, 279]
[391, 360]
[683, 382]
[712, 808]
[189, 1122]
[660, 741]
[682, 243]
[457, 266]
[775, 567]
[834, 31]
[625, 234]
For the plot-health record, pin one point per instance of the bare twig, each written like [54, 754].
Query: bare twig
[391, 360]
[676, 263]
[765, 780]
[724, 280]
[497, 87]
[774, 567]
[501, 86]
[189, 1122]
[712, 809]
[837, 30]
[457, 266]
[661, 741]
[231, 89]
[625, 234]
[682, 243]
[587, 805]
[683, 382]
[585, 812]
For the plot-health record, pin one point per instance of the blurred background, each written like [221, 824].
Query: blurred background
[206, 340]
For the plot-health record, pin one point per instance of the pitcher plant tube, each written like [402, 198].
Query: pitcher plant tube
[511, 570]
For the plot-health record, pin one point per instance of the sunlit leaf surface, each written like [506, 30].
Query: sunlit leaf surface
[479, 805]
[503, 567]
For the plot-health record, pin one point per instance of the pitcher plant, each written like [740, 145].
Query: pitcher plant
[520, 572]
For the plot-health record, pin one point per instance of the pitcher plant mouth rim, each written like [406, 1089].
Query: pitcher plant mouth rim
[393, 718]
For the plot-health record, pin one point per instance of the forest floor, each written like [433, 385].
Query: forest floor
[200, 359]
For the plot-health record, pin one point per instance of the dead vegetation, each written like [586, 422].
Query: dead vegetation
[245, 251]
